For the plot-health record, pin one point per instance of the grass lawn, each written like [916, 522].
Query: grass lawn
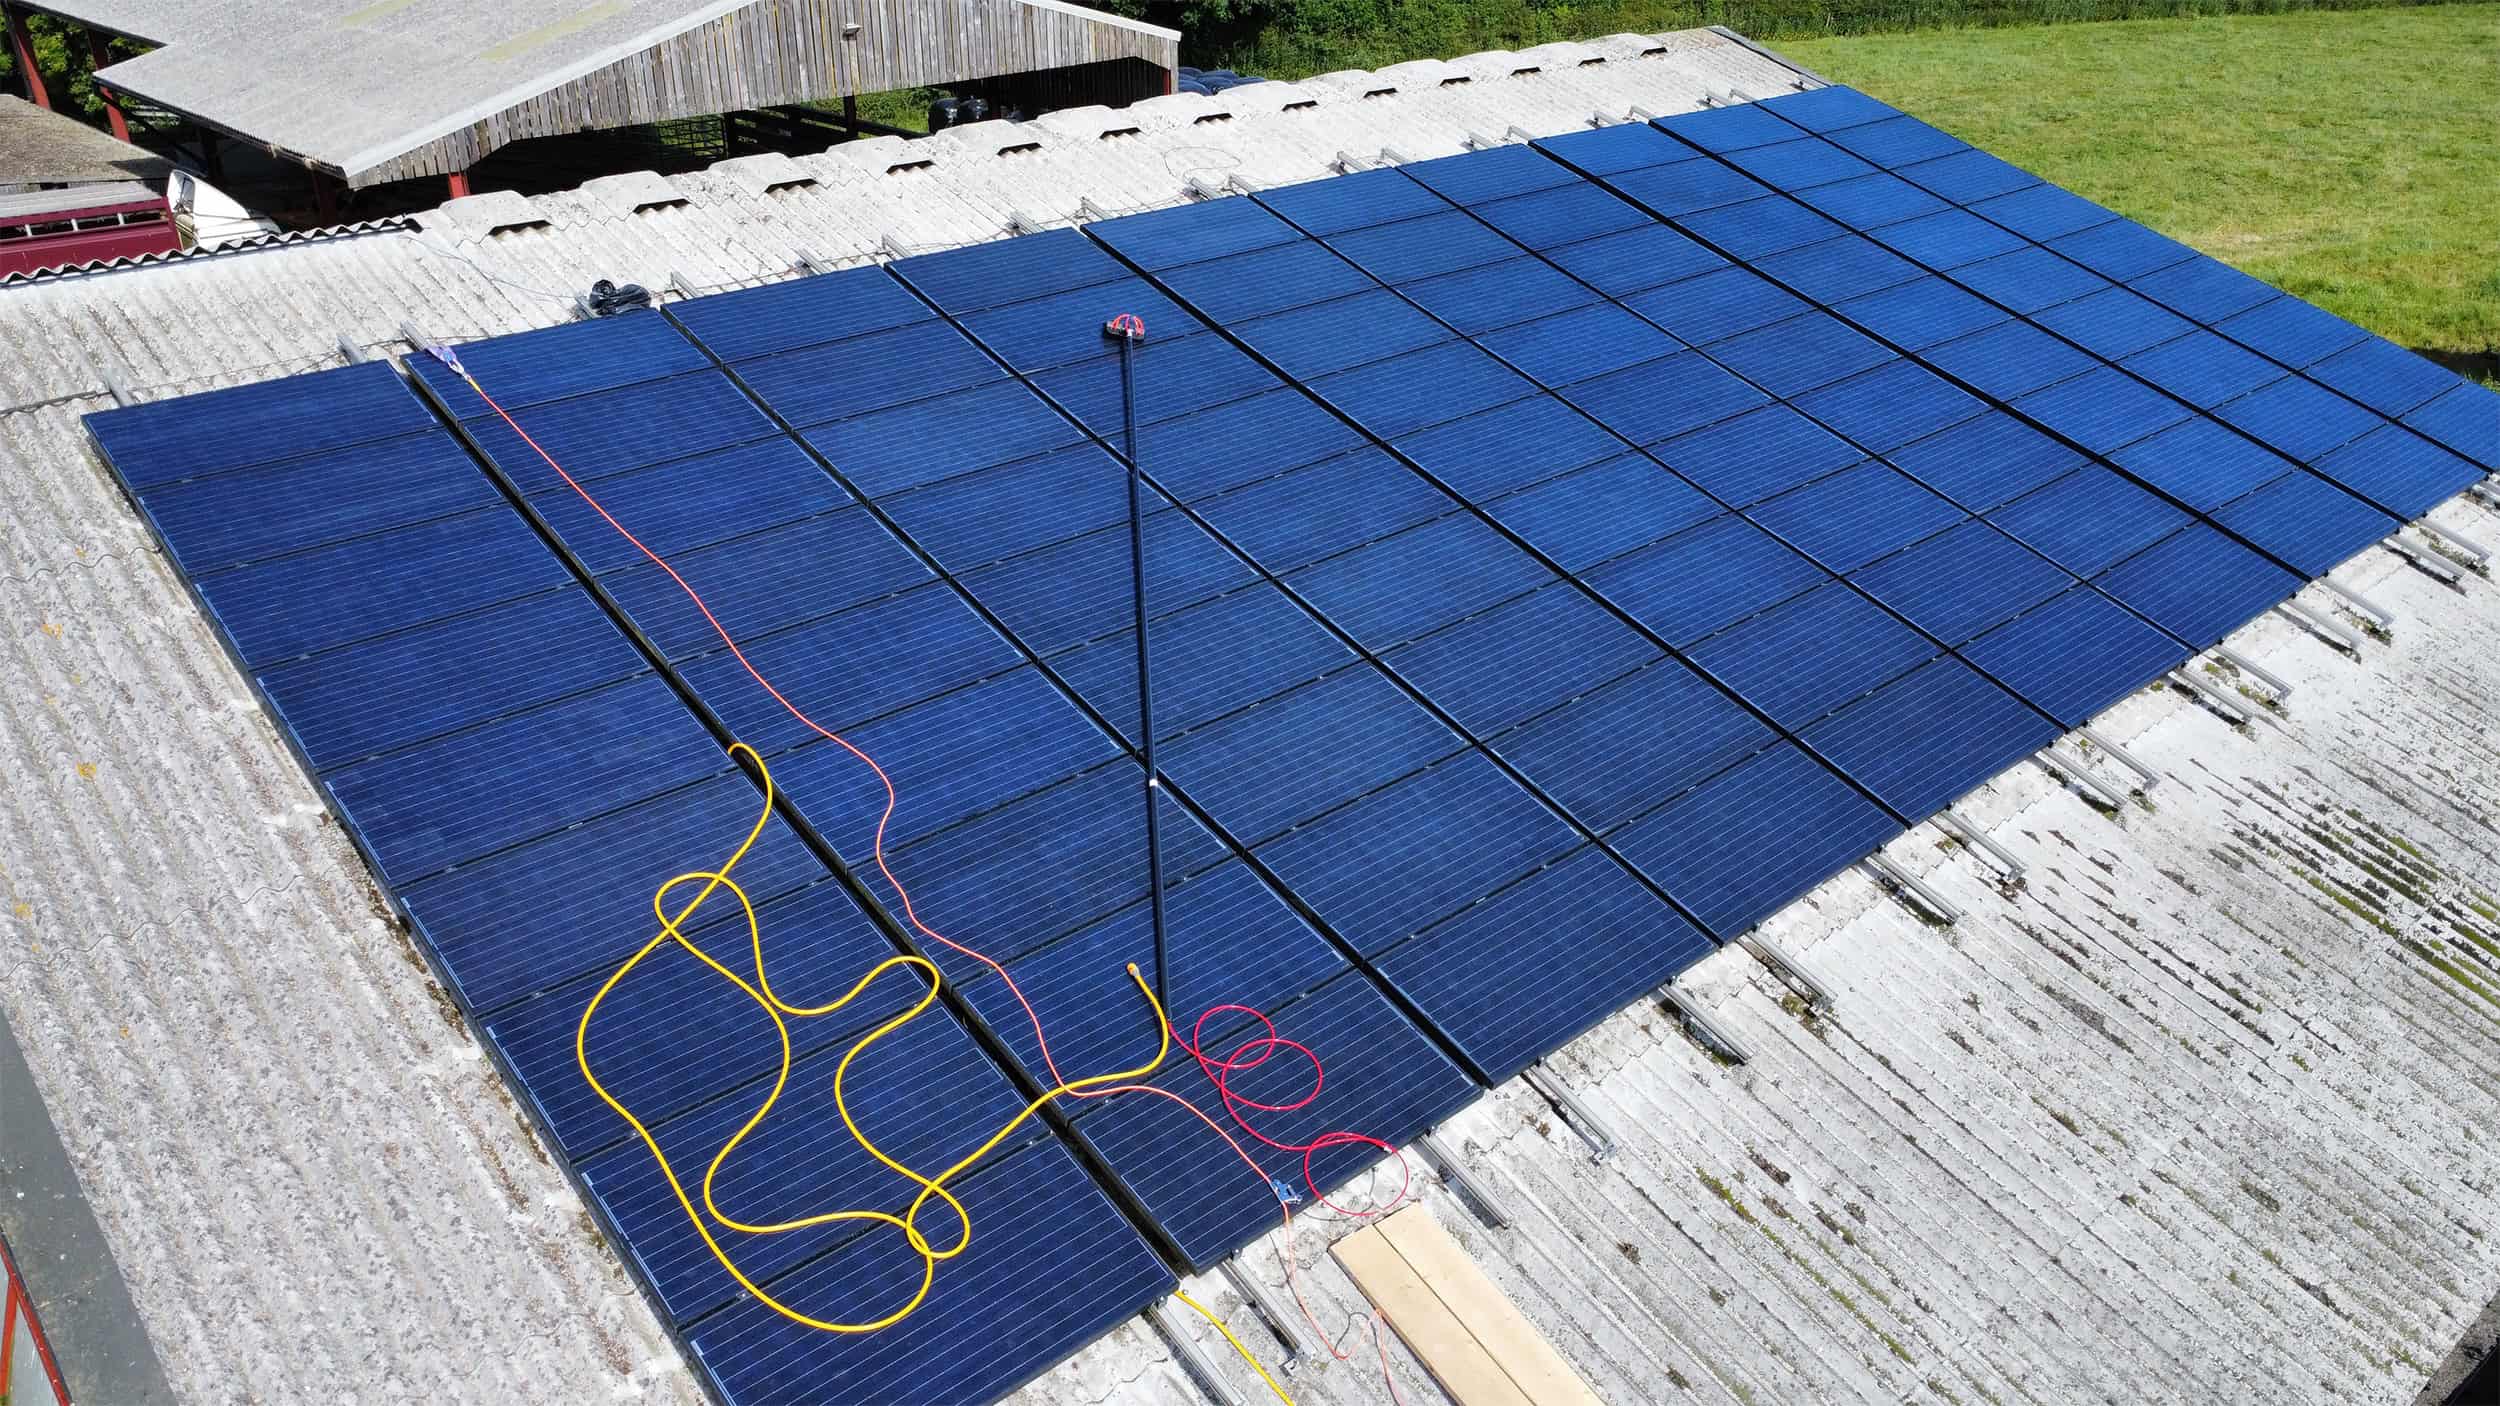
[2349, 158]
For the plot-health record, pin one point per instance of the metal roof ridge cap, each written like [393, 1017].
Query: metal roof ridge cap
[630, 192]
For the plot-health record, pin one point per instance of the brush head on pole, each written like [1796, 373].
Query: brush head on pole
[1127, 327]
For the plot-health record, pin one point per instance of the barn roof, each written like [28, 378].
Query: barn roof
[381, 91]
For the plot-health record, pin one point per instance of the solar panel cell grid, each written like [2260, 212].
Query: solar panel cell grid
[1872, 202]
[1422, 248]
[2400, 471]
[2467, 420]
[1737, 849]
[1310, 751]
[2103, 409]
[2009, 360]
[800, 312]
[1926, 740]
[1757, 229]
[1058, 328]
[220, 521]
[1520, 658]
[1208, 661]
[162, 441]
[1921, 313]
[2299, 419]
[2088, 519]
[1626, 146]
[1499, 450]
[1325, 508]
[1730, 128]
[924, 441]
[689, 503]
[1425, 577]
[1422, 389]
[2202, 463]
[1565, 215]
[1947, 239]
[1475, 177]
[2306, 523]
[1829, 109]
[2203, 368]
[609, 432]
[1658, 400]
[1837, 269]
[1854, 516]
[869, 372]
[1593, 514]
[1890, 406]
[1987, 461]
[1723, 303]
[1335, 204]
[2042, 212]
[1685, 187]
[1800, 660]
[2198, 584]
[1962, 581]
[2384, 376]
[761, 583]
[1576, 345]
[1007, 270]
[1324, 337]
[1703, 578]
[1636, 259]
[2075, 655]
[2114, 322]
[1280, 276]
[1498, 295]
[1796, 165]
[1625, 748]
[1791, 357]
[2028, 280]
[1896, 141]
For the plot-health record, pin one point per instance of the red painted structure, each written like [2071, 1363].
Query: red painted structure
[18, 1325]
[24, 44]
[83, 224]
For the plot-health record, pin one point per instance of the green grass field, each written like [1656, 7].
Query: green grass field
[2345, 157]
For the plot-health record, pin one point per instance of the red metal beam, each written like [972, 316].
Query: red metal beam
[100, 55]
[24, 44]
[459, 184]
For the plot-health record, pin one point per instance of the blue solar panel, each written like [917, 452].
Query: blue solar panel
[1210, 659]
[1921, 313]
[761, 583]
[2042, 212]
[1324, 508]
[1424, 577]
[532, 368]
[349, 704]
[1740, 847]
[1731, 128]
[2029, 280]
[2008, 360]
[222, 520]
[1762, 452]
[2198, 584]
[1051, 1255]
[1854, 516]
[1404, 858]
[2114, 322]
[1897, 141]
[2400, 471]
[2300, 419]
[1703, 578]
[1313, 341]
[1872, 202]
[161, 441]
[1079, 589]
[1466, 977]
[1520, 658]
[1800, 660]
[1316, 748]
[1968, 175]
[2121, 249]
[2103, 409]
[1829, 109]
[1590, 515]
[2075, 655]
[1058, 328]
[2467, 420]
[2295, 333]
[928, 440]
[1716, 305]
[977, 518]
[1626, 146]
[1006, 270]
[1384, 1078]
[607, 432]
[1637, 259]
[1472, 178]
[2384, 376]
[1624, 748]
[1838, 269]
[1985, 462]
[2088, 519]
[367, 586]
[2203, 369]
[1499, 295]
[1335, 204]
[801, 312]
[848, 667]
[841, 379]
[1422, 389]
[1686, 187]
[2306, 523]
[1173, 379]
[2205, 289]
[1661, 399]
[1757, 229]
[1948, 239]
[689, 503]
[1574, 346]
[1796, 165]
[2202, 463]
[1924, 741]
[1421, 248]
[1519, 443]
[475, 792]
[1563, 215]
[1792, 357]
[1241, 441]
[1272, 279]
[1962, 581]
[1890, 406]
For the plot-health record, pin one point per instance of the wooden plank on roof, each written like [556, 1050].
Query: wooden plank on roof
[1454, 1318]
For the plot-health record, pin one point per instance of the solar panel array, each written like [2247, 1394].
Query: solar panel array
[1561, 557]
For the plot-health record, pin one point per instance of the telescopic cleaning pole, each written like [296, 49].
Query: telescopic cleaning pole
[1128, 330]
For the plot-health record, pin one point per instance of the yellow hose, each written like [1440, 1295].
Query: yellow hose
[761, 992]
[1183, 1296]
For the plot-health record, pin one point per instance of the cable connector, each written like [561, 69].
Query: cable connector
[1127, 327]
[449, 358]
[1286, 1193]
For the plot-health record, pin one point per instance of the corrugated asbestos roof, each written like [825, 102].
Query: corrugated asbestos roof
[348, 85]
[2183, 1117]
[38, 147]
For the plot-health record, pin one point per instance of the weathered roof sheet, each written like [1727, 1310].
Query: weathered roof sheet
[38, 147]
[364, 90]
[2187, 1114]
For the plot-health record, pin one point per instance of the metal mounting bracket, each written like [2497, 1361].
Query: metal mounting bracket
[1455, 1176]
[1901, 881]
[1951, 822]
[1193, 1361]
[1698, 1023]
[1788, 969]
[2146, 777]
[1582, 1119]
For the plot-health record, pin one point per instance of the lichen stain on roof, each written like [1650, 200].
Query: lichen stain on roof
[2184, 1116]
